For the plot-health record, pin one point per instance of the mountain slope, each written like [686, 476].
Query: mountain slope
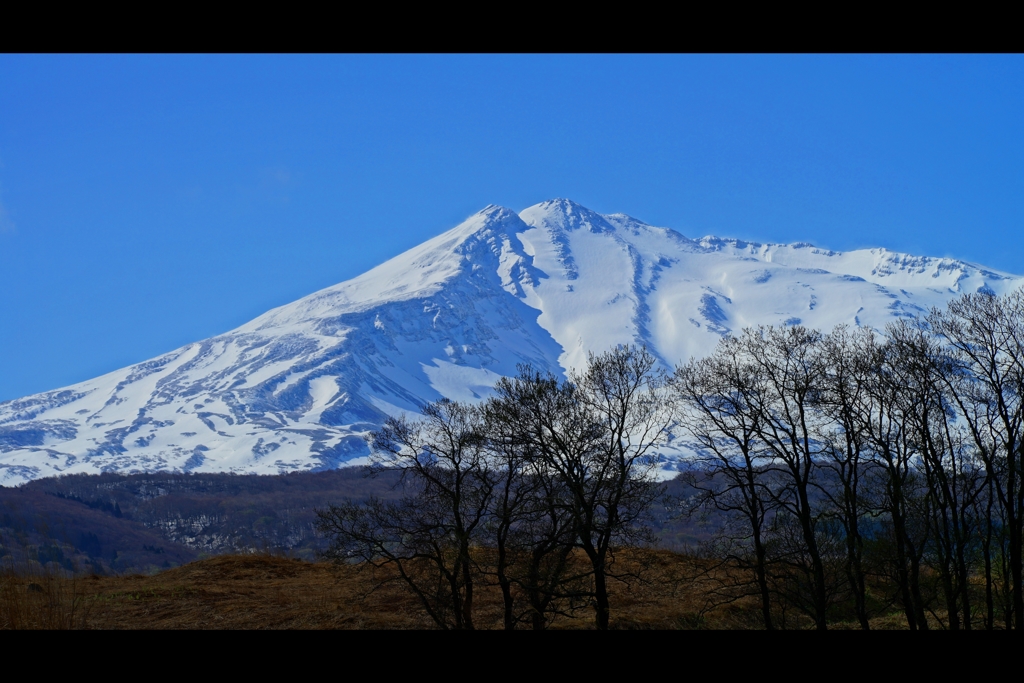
[299, 386]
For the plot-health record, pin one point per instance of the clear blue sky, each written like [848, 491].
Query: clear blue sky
[147, 202]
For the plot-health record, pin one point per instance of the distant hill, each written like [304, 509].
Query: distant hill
[113, 523]
[116, 523]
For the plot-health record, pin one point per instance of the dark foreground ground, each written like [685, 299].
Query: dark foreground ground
[268, 592]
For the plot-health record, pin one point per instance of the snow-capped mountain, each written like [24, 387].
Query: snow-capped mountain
[298, 387]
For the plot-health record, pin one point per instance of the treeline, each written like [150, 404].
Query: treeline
[850, 475]
[536, 490]
[116, 523]
[42, 532]
[124, 523]
[864, 472]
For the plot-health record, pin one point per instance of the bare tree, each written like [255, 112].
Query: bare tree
[729, 471]
[757, 414]
[625, 392]
[789, 376]
[530, 523]
[596, 437]
[428, 535]
[985, 336]
[847, 361]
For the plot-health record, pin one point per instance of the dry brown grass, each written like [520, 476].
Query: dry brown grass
[41, 599]
[267, 592]
[249, 592]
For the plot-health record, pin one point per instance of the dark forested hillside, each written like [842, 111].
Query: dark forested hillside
[115, 523]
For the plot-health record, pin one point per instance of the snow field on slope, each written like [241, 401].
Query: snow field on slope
[298, 387]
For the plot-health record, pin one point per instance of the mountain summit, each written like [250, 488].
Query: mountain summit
[299, 386]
